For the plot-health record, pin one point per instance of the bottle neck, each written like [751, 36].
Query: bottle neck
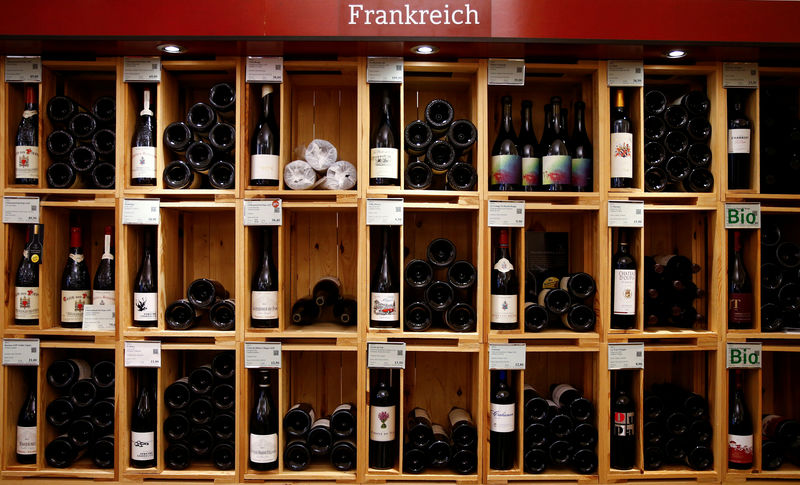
[527, 122]
[268, 106]
[387, 110]
[506, 124]
[580, 125]
[556, 118]
[737, 242]
[30, 99]
[548, 118]
[267, 244]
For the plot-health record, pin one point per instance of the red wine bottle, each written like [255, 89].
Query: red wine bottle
[528, 149]
[326, 291]
[143, 146]
[505, 288]
[222, 175]
[104, 143]
[383, 154]
[265, 145]
[178, 175]
[439, 116]
[506, 163]
[343, 455]
[739, 129]
[222, 97]
[222, 315]
[502, 434]
[222, 137]
[264, 288]
[75, 286]
[26, 144]
[104, 110]
[178, 136]
[102, 451]
[740, 427]
[143, 424]
[26, 281]
[582, 152]
[343, 420]
[382, 412]
[201, 118]
[621, 144]
[385, 289]
[740, 298]
[26, 425]
[623, 287]
[145, 287]
[103, 288]
[557, 161]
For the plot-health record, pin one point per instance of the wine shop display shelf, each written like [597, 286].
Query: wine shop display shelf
[551, 200]
[555, 338]
[557, 477]
[670, 201]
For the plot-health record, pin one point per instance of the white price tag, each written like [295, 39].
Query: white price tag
[262, 355]
[263, 212]
[625, 356]
[743, 356]
[99, 318]
[506, 213]
[143, 353]
[20, 351]
[264, 70]
[23, 69]
[625, 73]
[141, 70]
[384, 212]
[740, 75]
[743, 216]
[625, 213]
[384, 69]
[506, 72]
[386, 355]
[20, 210]
[506, 356]
[141, 212]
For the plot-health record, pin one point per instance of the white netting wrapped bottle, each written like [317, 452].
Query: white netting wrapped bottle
[341, 176]
[299, 175]
[320, 154]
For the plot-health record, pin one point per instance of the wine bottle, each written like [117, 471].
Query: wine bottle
[676, 142]
[440, 156]
[560, 424]
[461, 176]
[556, 161]
[26, 281]
[103, 176]
[462, 134]
[62, 452]
[201, 117]
[178, 136]
[60, 176]
[103, 288]
[555, 300]
[326, 291]
[534, 461]
[81, 431]
[265, 145]
[83, 394]
[264, 288]
[502, 435]
[82, 159]
[343, 421]
[201, 440]
[439, 448]
[414, 459]
[695, 102]
[26, 144]
[655, 180]
[201, 380]
[654, 154]
[178, 175]
[699, 180]
[343, 455]
[176, 427]
[263, 426]
[418, 273]
[418, 316]
[506, 163]
[462, 275]
[26, 424]
[504, 288]
[143, 424]
[739, 129]
[535, 408]
[75, 288]
[701, 432]
[740, 427]
[772, 454]
[417, 137]
[582, 153]
[441, 252]
[439, 296]
[383, 153]
[200, 413]
[623, 439]
[104, 110]
[579, 318]
[676, 117]
[654, 128]
[419, 175]
[345, 311]
[677, 423]
[320, 438]
[145, 287]
[59, 144]
[203, 293]
[200, 156]
[178, 394]
[103, 375]
[585, 435]
[528, 149]
[223, 397]
[104, 143]
[143, 146]
[223, 425]
[223, 366]
[305, 311]
[623, 284]
[382, 412]
[584, 461]
[464, 461]
[740, 298]
[385, 294]
[222, 97]
[222, 175]
[82, 126]
[418, 427]
[699, 155]
[536, 317]
[461, 317]
[59, 412]
[296, 456]
[621, 144]
[223, 456]
[780, 429]
[177, 456]
[298, 419]
[579, 285]
[462, 428]
[222, 315]
[102, 451]
[439, 116]
[222, 137]
[698, 129]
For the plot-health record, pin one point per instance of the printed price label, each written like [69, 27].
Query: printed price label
[264, 70]
[386, 355]
[262, 355]
[626, 356]
[21, 351]
[142, 353]
[20, 210]
[625, 73]
[625, 213]
[23, 69]
[744, 356]
[141, 70]
[141, 212]
[506, 72]
[507, 356]
[384, 69]
[506, 213]
[740, 75]
[384, 212]
[743, 216]
[263, 212]
[99, 318]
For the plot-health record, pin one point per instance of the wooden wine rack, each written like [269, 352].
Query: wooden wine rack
[325, 233]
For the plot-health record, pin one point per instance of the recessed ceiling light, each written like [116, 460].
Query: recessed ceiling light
[171, 48]
[675, 53]
[424, 49]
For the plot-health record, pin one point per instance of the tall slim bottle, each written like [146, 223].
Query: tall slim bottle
[263, 426]
[506, 163]
[557, 162]
[623, 436]
[621, 144]
[502, 430]
[145, 287]
[739, 130]
[26, 423]
[582, 152]
[264, 289]
[505, 288]
[529, 150]
[623, 286]
[384, 153]
[26, 282]
[740, 292]
[143, 424]
[265, 145]
[143, 146]
[103, 287]
[385, 289]
[740, 428]
[26, 144]
[382, 420]
[75, 289]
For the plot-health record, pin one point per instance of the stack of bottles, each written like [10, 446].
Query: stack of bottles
[780, 140]
[558, 431]
[440, 145]
[331, 437]
[202, 295]
[566, 301]
[318, 166]
[677, 156]
[780, 441]
[201, 421]
[83, 414]
[82, 145]
[677, 429]
[780, 279]
[429, 445]
[325, 304]
[439, 289]
[670, 293]
[204, 143]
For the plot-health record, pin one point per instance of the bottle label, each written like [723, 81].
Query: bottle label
[457, 415]
[624, 292]
[503, 418]
[739, 140]
[143, 445]
[26, 302]
[103, 297]
[324, 422]
[542, 296]
[437, 429]
[421, 413]
[26, 159]
[531, 171]
[26, 440]
[581, 172]
[556, 169]
[740, 448]
[264, 167]
[623, 424]
[622, 155]
[559, 391]
[740, 308]
[551, 283]
[506, 169]
[381, 423]
[143, 162]
[144, 306]
[383, 163]
[264, 305]
[504, 308]
[263, 448]
[72, 303]
[503, 265]
[342, 407]
[384, 307]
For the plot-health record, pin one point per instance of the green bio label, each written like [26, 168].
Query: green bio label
[506, 169]
[743, 216]
[556, 169]
[531, 171]
[744, 356]
[582, 172]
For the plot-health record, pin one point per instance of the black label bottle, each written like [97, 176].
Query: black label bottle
[623, 438]
[382, 421]
[621, 144]
[143, 424]
[264, 289]
[506, 164]
[145, 288]
[265, 145]
[385, 290]
[383, 153]
[263, 426]
[26, 145]
[143, 146]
